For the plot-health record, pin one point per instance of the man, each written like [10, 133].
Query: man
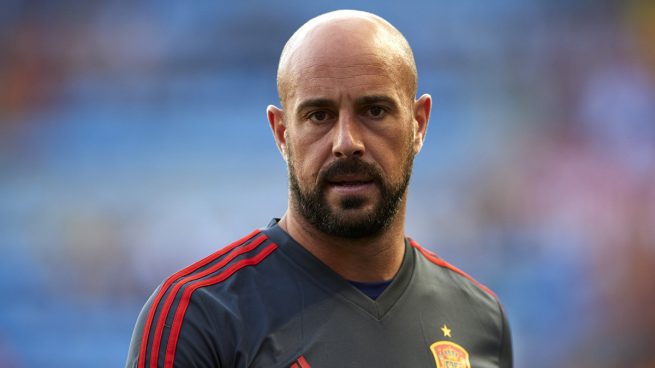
[334, 282]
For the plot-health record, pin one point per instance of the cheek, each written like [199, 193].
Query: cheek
[391, 150]
[307, 157]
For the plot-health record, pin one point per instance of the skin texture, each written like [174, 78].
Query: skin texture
[349, 130]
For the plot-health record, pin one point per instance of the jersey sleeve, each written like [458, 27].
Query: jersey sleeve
[177, 340]
[137, 335]
[506, 359]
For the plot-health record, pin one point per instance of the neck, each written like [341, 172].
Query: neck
[370, 259]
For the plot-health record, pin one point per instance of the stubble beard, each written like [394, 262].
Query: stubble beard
[312, 204]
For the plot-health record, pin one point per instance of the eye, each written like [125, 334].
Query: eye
[319, 116]
[376, 112]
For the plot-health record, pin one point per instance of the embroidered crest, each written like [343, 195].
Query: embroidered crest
[450, 355]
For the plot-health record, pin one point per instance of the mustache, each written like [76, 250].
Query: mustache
[349, 166]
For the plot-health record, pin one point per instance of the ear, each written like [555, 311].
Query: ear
[278, 126]
[422, 108]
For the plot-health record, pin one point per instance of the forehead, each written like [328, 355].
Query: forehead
[343, 75]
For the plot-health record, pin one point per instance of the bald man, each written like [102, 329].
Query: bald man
[334, 282]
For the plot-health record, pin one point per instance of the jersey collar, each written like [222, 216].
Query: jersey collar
[333, 283]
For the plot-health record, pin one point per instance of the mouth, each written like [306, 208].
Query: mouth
[350, 184]
[353, 183]
[351, 178]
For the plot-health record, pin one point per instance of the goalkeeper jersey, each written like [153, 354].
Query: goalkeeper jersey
[265, 301]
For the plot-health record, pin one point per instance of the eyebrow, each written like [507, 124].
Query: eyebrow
[360, 101]
[374, 99]
[315, 102]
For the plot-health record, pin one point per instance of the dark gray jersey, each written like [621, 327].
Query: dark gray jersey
[264, 301]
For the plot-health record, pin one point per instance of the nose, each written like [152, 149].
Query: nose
[348, 139]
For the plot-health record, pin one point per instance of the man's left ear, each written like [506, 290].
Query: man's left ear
[422, 108]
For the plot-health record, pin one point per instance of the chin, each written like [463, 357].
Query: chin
[355, 203]
[353, 216]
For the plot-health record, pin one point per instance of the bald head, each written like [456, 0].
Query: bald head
[337, 37]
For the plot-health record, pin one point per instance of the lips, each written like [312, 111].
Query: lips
[350, 177]
[350, 180]
[353, 184]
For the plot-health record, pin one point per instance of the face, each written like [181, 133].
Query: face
[349, 132]
[349, 139]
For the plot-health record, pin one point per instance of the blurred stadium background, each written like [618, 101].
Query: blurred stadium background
[133, 141]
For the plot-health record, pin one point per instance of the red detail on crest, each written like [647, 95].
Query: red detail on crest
[450, 355]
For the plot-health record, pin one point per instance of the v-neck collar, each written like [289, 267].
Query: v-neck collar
[329, 280]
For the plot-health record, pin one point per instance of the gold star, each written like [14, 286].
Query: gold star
[446, 331]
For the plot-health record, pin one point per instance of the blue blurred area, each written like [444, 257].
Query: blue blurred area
[133, 141]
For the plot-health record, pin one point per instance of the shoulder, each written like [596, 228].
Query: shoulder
[212, 273]
[450, 276]
[176, 318]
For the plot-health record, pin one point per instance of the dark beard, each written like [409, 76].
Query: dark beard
[314, 208]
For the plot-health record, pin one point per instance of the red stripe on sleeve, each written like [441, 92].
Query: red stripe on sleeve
[440, 262]
[186, 297]
[170, 281]
[294, 365]
[154, 351]
[303, 362]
